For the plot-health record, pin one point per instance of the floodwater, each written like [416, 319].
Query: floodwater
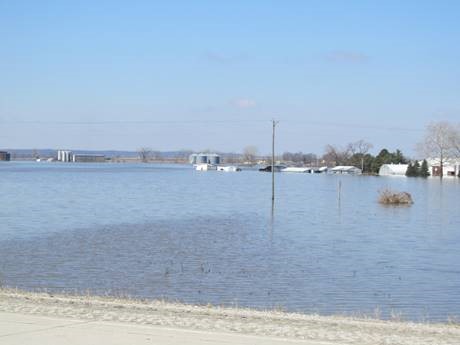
[159, 231]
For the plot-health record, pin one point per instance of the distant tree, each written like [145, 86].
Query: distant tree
[359, 147]
[299, 157]
[250, 154]
[145, 154]
[438, 142]
[411, 170]
[230, 158]
[333, 155]
[309, 158]
[398, 158]
[417, 168]
[383, 157]
[358, 154]
[454, 140]
[287, 156]
[183, 154]
[424, 171]
[35, 154]
[364, 162]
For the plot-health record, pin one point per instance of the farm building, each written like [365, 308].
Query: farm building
[450, 167]
[204, 158]
[393, 170]
[345, 169]
[86, 158]
[5, 156]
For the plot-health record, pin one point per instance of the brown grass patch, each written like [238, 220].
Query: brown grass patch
[389, 197]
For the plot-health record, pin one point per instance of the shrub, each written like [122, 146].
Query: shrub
[389, 197]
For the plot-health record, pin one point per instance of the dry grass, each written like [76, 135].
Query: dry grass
[390, 197]
[315, 328]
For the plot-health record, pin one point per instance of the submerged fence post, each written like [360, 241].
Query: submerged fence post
[339, 191]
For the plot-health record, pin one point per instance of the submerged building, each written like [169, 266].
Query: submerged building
[87, 158]
[5, 156]
[393, 170]
[450, 167]
[346, 169]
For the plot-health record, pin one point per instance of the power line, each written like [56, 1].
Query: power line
[123, 122]
[208, 121]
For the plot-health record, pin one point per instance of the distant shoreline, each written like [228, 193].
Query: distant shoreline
[276, 324]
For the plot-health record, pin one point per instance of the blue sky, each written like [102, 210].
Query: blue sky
[212, 74]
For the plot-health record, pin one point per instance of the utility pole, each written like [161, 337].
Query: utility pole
[273, 159]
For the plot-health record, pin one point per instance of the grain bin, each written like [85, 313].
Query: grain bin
[192, 158]
[214, 159]
[202, 158]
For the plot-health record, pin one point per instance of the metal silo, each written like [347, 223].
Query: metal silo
[214, 159]
[202, 158]
[192, 158]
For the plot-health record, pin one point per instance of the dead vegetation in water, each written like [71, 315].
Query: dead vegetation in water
[390, 197]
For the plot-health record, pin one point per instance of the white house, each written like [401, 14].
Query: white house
[346, 169]
[393, 170]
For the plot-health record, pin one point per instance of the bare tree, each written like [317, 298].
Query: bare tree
[250, 154]
[357, 151]
[287, 156]
[438, 142]
[145, 154]
[360, 147]
[455, 141]
[299, 157]
[35, 154]
[309, 158]
[334, 155]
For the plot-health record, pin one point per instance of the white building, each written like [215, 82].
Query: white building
[228, 168]
[87, 158]
[346, 169]
[205, 167]
[393, 170]
[64, 156]
[296, 170]
[450, 167]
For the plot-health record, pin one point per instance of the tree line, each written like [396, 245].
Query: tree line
[357, 154]
[417, 170]
[441, 141]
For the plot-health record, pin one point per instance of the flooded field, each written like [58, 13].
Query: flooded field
[159, 231]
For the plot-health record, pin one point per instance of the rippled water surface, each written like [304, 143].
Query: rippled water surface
[210, 237]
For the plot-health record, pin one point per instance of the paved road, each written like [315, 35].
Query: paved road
[20, 329]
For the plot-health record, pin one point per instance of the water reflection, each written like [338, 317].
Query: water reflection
[210, 237]
[272, 221]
